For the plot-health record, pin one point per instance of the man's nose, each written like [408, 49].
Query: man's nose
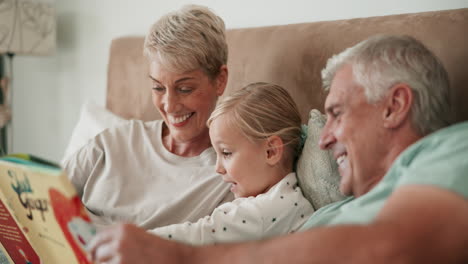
[327, 139]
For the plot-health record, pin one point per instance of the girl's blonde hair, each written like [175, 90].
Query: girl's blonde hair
[188, 39]
[261, 110]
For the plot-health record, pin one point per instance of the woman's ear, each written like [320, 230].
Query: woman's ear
[221, 80]
[397, 106]
[274, 150]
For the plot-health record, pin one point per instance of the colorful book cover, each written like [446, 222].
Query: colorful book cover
[41, 217]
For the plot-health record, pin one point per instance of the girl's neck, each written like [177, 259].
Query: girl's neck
[277, 175]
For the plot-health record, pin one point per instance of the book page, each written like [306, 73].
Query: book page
[49, 211]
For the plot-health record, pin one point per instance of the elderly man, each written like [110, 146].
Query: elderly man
[407, 169]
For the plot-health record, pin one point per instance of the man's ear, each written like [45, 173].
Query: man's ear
[397, 105]
[221, 80]
[274, 150]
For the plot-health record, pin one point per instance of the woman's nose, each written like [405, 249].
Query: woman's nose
[171, 102]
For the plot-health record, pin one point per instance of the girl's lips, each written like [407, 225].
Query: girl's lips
[233, 187]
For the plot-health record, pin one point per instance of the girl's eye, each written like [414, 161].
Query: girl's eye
[226, 153]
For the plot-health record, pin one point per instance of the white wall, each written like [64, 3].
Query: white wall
[49, 91]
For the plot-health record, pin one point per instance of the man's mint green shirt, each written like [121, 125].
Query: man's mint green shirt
[439, 159]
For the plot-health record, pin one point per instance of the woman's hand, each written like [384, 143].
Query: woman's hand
[126, 244]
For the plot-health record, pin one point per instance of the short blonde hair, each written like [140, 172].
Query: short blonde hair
[188, 39]
[261, 110]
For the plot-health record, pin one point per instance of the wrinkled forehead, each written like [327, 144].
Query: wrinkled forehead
[156, 65]
[158, 72]
[344, 89]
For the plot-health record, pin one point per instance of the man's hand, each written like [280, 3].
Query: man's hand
[418, 224]
[126, 244]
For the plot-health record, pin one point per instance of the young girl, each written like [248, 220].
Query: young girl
[256, 133]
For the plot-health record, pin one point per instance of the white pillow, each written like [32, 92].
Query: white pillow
[317, 170]
[93, 120]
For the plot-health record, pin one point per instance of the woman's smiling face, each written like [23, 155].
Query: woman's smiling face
[185, 100]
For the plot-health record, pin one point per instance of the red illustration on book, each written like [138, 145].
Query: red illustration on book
[14, 241]
[74, 222]
[23, 254]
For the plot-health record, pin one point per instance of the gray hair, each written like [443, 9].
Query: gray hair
[382, 61]
[188, 39]
[261, 110]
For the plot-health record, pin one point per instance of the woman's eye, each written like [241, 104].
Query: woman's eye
[158, 89]
[185, 89]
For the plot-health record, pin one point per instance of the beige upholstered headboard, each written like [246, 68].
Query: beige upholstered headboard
[293, 56]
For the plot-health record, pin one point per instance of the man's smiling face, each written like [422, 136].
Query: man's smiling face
[355, 134]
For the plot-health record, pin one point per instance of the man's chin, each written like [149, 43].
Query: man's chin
[345, 189]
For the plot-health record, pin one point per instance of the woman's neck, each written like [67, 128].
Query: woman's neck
[190, 148]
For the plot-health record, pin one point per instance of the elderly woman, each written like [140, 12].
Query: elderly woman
[162, 172]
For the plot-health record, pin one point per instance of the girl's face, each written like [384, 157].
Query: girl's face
[241, 162]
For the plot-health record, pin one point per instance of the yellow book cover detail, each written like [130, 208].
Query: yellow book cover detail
[39, 206]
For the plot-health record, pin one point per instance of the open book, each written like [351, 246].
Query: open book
[42, 219]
